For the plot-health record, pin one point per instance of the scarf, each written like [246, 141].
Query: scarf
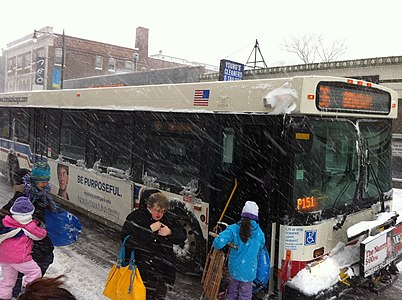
[22, 219]
[41, 197]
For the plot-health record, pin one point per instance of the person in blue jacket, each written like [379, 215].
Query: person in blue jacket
[242, 263]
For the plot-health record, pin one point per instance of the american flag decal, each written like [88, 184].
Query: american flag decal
[201, 97]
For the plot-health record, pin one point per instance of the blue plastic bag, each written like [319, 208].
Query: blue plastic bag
[263, 270]
[63, 228]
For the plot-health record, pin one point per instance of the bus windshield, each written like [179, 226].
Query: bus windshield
[326, 176]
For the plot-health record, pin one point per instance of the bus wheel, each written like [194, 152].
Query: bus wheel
[12, 166]
[191, 253]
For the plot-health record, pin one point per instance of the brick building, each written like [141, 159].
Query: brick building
[32, 64]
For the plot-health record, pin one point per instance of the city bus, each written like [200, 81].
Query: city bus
[314, 153]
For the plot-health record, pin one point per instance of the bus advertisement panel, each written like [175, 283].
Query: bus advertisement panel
[99, 194]
[380, 250]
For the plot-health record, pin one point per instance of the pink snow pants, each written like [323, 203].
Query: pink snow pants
[30, 269]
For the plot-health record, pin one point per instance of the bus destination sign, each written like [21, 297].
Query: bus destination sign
[340, 96]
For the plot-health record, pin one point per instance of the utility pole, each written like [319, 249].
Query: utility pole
[254, 63]
[62, 61]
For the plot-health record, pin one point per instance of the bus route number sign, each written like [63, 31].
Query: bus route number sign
[306, 203]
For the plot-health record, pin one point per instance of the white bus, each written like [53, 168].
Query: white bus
[313, 152]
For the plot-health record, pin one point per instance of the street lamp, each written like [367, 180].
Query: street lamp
[35, 39]
[136, 57]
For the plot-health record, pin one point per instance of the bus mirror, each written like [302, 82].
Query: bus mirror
[299, 138]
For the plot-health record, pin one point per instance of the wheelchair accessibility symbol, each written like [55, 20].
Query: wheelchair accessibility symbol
[310, 237]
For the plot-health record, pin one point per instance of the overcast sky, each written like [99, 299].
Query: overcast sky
[209, 30]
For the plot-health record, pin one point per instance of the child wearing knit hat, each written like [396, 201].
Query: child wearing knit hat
[40, 172]
[242, 263]
[16, 241]
[37, 189]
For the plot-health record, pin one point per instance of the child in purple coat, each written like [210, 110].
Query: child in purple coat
[16, 241]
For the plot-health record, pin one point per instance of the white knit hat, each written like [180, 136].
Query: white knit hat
[250, 210]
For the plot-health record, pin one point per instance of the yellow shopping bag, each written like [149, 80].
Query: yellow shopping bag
[124, 283]
[130, 285]
[111, 282]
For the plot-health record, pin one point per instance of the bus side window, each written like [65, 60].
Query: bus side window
[53, 132]
[73, 135]
[21, 126]
[113, 139]
[228, 142]
[5, 123]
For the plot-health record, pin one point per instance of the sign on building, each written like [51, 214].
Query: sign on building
[56, 79]
[40, 71]
[230, 70]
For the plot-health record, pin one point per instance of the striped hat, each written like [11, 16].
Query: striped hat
[40, 172]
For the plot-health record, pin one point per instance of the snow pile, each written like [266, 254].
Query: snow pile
[282, 100]
[369, 225]
[316, 278]
[397, 203]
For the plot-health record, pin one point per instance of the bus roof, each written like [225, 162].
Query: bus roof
[268, 96]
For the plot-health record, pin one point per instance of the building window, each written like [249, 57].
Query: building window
[20, 85]
[112, 64]
[10, 87]
[129, 65]
[41, 52]
[98, 62]
[10, 64]
[28, 59]
[58, 56]
[19, 61]
[27, 85]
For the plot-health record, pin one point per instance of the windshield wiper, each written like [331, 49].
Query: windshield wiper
[344, 188]
[381, 194]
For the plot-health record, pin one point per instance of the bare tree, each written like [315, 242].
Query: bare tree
[309, 47]
[330, 51]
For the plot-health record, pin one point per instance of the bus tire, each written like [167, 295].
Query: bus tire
[12, 166]
[191, 253]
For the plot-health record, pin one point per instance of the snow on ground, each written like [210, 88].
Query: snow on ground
[85, 279]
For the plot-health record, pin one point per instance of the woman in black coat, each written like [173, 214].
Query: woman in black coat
[153, 231]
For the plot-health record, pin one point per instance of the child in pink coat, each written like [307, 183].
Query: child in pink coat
[16, 241]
